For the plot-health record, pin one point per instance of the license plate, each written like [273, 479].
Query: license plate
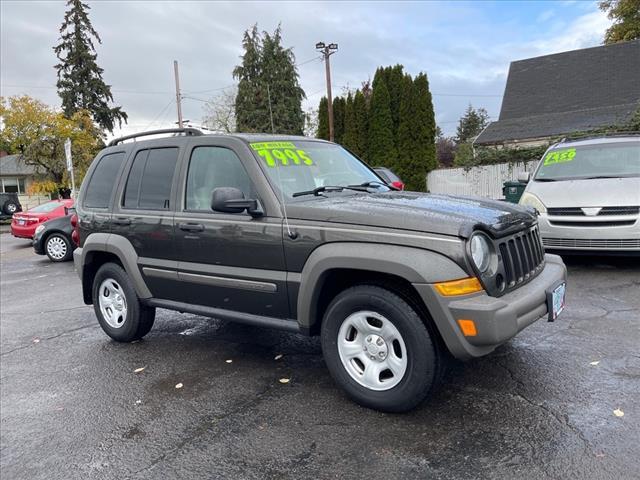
[21, 222]
[555, 300]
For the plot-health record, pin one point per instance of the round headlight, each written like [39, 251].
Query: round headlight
[480, 251]
[39, 229]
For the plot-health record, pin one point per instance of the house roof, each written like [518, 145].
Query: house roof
[14, 165]
[568, 92]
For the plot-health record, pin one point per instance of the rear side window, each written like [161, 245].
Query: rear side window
[103, 180]
[150, 179]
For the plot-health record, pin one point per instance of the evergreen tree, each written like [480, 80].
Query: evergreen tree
[361, 125]
[350, 138]
[471, 124]
[407, 141]
[268, 71]
[425, 135]
[395, 84]
[381, 147]
[251, 105]
[80, 84]
[338, 119]
[323, 119]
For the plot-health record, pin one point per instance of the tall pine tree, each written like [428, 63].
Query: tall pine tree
[361, 119]
[268, 70]
[350, 138]
[80, 84]
[382, 151]
[323, 119]
[338, 119]
[415, 138]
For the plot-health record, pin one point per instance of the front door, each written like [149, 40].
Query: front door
[229, 261]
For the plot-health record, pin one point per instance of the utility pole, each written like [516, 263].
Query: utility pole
[178, 97]
[327, 51]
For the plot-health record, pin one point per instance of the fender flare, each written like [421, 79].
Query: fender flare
[121, 248]
[412, 264]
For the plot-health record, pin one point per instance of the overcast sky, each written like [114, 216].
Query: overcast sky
[464, 47]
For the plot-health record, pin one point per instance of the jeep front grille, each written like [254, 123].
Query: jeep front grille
[522, 255]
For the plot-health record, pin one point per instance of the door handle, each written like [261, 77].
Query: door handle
[122, 221]
[191, 227]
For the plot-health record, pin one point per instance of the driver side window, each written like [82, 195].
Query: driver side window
[210, 168]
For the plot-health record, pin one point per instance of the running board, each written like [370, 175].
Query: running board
[248, 318]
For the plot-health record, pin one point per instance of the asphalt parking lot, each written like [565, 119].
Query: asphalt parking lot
[539, 407]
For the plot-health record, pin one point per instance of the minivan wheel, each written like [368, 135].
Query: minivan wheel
[120, 313]
[58, 248]
[378, 349]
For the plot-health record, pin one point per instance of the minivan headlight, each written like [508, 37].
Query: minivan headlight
[530, 200]
[480, 252]
[39, 228]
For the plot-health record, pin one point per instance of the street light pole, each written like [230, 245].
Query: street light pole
[327, 51]
[178, 97]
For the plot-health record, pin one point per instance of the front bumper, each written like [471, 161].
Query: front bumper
[497, 319]
[38, 246]
[600, 233]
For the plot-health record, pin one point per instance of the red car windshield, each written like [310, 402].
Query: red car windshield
[46, 207]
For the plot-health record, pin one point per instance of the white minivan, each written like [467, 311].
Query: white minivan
[587, 193]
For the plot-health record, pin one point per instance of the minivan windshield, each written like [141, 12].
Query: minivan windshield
[301, 166]
[605, 160]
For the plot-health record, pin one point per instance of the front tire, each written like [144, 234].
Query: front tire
[120, 313]
[378, 349]
[58, 248]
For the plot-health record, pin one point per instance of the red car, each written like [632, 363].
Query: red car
[24, 224]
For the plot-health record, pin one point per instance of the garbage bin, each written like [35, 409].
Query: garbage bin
[512, 190]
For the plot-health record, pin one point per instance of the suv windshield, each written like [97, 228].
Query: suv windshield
[590, 161]
[302, 166]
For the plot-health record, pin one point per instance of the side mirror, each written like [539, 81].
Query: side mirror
[524, 177]
[231, 200]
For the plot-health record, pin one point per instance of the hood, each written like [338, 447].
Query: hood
[421, 212]
[596, 192]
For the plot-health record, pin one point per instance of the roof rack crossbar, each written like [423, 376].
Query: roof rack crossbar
[187, 131]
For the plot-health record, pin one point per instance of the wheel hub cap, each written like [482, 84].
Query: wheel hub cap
[372, 350]
[376, 347]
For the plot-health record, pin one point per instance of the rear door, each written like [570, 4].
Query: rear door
[229, 261]
[144, 210]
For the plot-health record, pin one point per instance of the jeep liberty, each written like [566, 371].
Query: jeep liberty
[298, 234]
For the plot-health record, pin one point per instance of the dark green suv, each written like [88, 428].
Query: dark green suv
[298, 234]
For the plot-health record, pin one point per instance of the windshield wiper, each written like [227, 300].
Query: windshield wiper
[545, 179]
[329, 188]
[374, 183]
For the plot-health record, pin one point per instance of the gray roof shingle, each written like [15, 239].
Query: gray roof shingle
[13, 165]
[568, 92]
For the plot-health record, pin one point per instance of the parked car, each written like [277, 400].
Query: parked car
[54, 238]
[587, 193]
[247, 228]
[24, 224]
[9, 204]
[389, 177]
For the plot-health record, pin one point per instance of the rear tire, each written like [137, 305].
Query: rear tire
[120, 313]
[10, 207]
[58, 248]
[369, 327]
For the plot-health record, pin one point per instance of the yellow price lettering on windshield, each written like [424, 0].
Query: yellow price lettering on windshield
[559, 156]
[285, 153]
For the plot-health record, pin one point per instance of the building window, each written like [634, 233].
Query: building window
[13, 185]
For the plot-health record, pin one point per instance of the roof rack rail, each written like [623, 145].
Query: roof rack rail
[187, 131]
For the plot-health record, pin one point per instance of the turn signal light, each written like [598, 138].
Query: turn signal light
[463, 286]
[468, 327]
